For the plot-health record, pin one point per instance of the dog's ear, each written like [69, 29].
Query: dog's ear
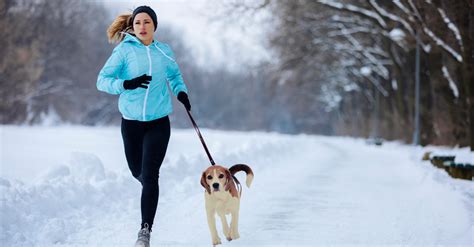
[228, 179]
[204, 183]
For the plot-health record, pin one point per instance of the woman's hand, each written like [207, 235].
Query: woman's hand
[141, 81]
[183, 98]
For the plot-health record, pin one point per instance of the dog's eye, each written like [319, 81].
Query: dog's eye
[221, 176]
[209, 177]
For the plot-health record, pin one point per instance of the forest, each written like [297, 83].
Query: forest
[342, 67]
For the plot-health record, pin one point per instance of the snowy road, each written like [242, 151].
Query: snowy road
[72, 188]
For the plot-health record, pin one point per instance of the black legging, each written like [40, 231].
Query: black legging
[145, 148]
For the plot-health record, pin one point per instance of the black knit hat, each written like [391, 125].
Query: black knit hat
[147, 10]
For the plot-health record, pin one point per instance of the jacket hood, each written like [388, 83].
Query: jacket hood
[132, 38]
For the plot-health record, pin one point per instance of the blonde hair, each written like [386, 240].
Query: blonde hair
[123, 23]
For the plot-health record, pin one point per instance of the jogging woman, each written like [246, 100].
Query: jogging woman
[139, 70]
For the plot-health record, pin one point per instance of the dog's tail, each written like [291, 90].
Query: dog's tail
[242, 167]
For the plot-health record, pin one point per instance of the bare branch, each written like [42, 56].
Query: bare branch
[392, 17]
[451, 27]
[442, 44]
[355, 9]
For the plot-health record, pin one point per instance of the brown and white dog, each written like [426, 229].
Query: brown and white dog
[222, 196]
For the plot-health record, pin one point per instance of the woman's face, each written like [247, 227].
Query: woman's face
[144, 28]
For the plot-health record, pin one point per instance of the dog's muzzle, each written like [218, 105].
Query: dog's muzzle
[215, 186]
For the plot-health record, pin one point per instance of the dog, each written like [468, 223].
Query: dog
[222, 196]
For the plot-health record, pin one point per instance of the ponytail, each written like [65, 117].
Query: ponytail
[123, 23]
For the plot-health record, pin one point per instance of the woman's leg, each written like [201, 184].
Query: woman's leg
[132, 135]
[155, 143]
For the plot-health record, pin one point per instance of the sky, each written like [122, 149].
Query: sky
[213, 42]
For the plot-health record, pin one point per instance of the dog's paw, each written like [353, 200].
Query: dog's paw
[227, 234]
[234, 235]
[216, 241]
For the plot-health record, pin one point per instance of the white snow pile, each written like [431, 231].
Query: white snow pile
[64, 201]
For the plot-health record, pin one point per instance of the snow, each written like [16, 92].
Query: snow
[379, 87]
[442, 44]
[394, 84]
[452, 27]
[356, 9]
[392, 17]
[70, 186]
[397, 35]
[330, 97]
[452, 84]
[366, 71]
[379, 67]
[351, 87]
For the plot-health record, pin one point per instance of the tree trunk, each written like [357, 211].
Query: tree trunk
[469, 75]
[466, 26]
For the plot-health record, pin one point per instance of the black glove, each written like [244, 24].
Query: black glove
[183, 98]
[141, 81]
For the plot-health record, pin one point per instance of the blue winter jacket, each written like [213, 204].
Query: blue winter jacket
[130, 59]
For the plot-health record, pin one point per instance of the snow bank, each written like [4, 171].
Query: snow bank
[62, 201]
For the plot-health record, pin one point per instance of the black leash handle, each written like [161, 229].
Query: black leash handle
[200, 137]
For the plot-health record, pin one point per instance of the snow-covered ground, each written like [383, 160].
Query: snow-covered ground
[70, 186]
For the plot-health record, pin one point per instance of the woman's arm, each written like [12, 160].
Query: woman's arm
[173, 74]
[108, 80]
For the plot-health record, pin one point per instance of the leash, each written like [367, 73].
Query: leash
[200, 137]
[239, 186]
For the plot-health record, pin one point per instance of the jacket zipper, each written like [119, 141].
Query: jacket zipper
[149, 72]
[164, 53]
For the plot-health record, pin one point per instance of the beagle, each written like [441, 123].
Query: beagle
[222, 196]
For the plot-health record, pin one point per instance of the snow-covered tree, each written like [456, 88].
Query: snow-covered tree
[355, 61]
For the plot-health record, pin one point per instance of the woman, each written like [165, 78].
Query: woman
[138, 70]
